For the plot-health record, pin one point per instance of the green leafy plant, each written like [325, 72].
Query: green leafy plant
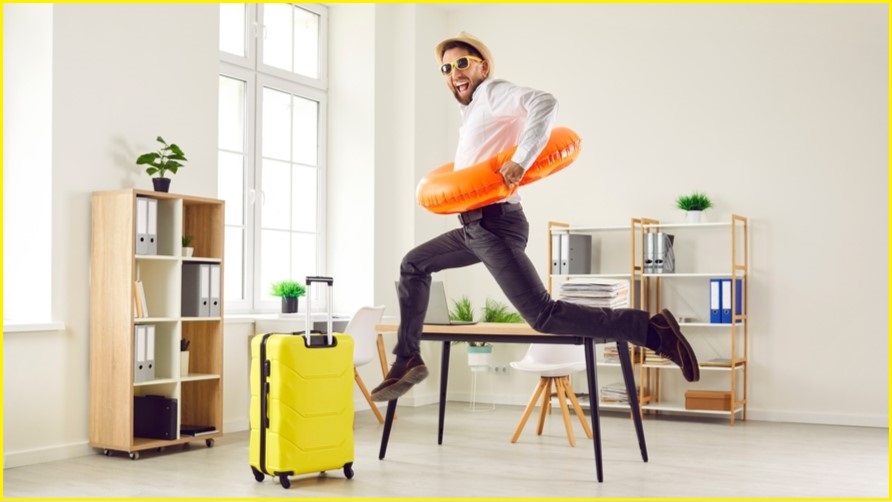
[694, 202]
[187, 241]
[168, 157]
[494, 311]
[463, 310]
[288, 289]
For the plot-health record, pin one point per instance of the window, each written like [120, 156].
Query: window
[271, 147]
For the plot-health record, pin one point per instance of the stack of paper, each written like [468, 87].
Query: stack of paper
[614, 393]
[596, 292]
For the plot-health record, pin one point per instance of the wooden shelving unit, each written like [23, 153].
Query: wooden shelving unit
[115, 267]
[703, 251]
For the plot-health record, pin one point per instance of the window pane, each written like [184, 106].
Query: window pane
[291, 39]
[276, 210]
[232, 28]
[276, 142]
[234, 272]
[277, 35]
[306, 43]
[305, 120]
[232, 114]
[303, 257]
[231, 186]
[275, 262]
[303, 198]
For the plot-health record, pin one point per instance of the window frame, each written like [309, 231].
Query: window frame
[257, 76]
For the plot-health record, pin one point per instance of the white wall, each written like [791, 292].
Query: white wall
[777, 111]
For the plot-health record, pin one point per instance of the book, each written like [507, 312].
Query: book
[142, 307]
[196, 430]
[139, 299]
[719, 361]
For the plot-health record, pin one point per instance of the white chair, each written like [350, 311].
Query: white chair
[365, 342]
[554, 363]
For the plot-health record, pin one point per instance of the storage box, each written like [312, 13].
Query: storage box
[718, 400]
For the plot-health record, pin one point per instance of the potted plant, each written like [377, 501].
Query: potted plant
[480, 353]
[289, 291]
[184, 357]
[168, 157]
[188, 250]
[694, 205]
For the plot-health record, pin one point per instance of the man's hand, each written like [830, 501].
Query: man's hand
[512, 172]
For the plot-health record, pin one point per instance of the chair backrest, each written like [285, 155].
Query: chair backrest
[549, 359]
[362, 328]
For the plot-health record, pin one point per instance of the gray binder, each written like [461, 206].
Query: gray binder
[664, 256]
[143, 353]
[576, 254]
[195, 300]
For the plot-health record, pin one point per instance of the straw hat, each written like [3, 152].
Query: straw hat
[470, 40]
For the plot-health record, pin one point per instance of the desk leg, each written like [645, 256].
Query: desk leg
[388, 423]
[595, 408]
[444, 377]
[625, 361]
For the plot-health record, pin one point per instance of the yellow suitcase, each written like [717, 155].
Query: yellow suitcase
[301, 403]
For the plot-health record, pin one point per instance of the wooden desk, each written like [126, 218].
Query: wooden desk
[523, 333]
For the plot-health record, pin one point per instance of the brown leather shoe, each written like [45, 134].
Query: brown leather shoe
[400, 378]
[673, 345]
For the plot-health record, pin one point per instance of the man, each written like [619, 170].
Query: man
[496, 115]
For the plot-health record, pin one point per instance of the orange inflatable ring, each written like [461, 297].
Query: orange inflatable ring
[445, 191]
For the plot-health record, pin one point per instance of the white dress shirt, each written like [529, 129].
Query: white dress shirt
[501, 115]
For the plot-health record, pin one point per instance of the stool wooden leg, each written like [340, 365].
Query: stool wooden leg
[528, 410]
[562, 400]
[546, 405]
[368, 397]
[578, 409]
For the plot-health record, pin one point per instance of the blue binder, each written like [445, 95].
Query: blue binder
[726, 299]
[715, 301]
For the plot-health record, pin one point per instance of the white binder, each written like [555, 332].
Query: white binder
[205, 283]
[152, 227]
[214, 279]
[150, 353]
[139, 352]
[142, 225]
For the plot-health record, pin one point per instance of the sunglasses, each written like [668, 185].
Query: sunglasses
[461, 63]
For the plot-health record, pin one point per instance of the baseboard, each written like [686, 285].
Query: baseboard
[840, 419]
[48, 454]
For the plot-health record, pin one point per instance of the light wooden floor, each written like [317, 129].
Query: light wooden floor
[689, 457]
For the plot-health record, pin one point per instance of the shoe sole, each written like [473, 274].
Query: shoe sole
[391, 392]
[695, 366]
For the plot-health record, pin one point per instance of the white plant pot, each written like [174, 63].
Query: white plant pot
[693, 216]
[187, 252]
[184, 363]
[480, 358]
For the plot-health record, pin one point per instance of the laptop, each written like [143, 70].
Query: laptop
[438, 307]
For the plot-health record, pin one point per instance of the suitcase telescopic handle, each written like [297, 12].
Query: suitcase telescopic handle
[330, 281]
[316, 278]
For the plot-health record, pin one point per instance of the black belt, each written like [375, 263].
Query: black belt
[489, 211]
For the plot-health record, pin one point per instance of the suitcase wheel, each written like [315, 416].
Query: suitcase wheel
[348, 470]
[284, 481]
[257, 474]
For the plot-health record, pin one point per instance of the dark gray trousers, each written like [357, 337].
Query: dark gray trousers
[499, 242]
